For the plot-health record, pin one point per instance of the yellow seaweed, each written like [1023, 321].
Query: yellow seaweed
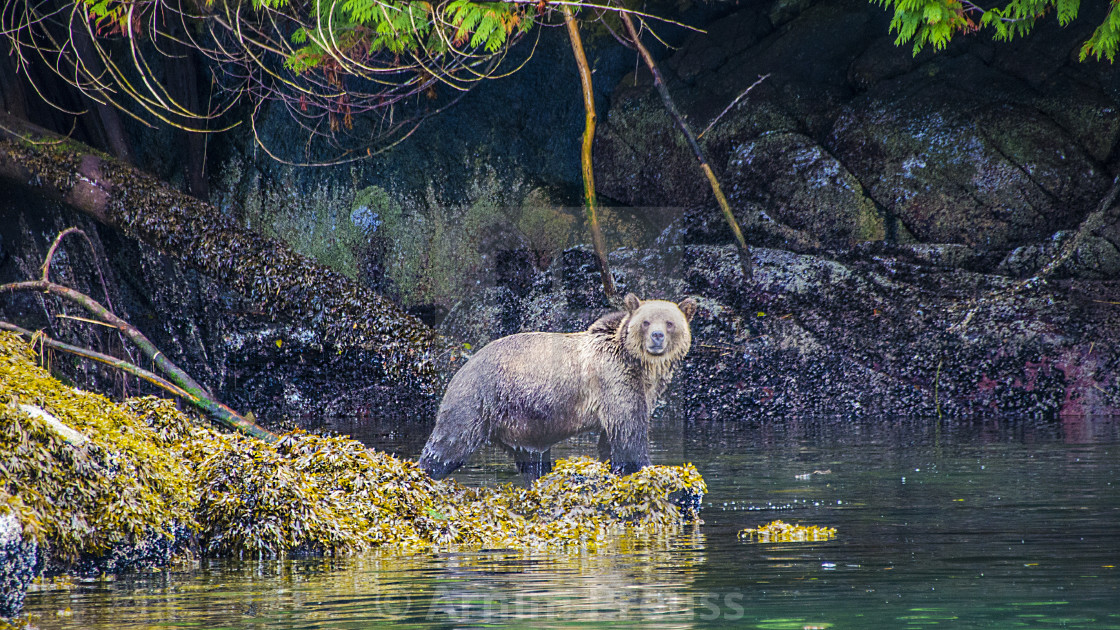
[780, 531]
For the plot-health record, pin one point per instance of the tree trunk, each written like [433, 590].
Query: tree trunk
[13, 99]
[590, 199]
[182, 83]
[103, 118]
[279, 281]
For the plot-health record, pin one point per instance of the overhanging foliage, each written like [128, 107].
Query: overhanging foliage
[935, 22]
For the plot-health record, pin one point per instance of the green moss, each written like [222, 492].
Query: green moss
[146, 466]
[547, 229]
[434, 247]
[870, 224]
[316, 223]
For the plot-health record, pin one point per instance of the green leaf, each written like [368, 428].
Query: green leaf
[1105, 39]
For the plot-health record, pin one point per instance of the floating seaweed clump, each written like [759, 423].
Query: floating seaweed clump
[780, 531]
[142, 468]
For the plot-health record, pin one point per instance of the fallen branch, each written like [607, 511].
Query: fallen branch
[131, 332]
[178, 382]
[155, 379]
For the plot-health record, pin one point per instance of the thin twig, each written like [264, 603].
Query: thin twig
[85, 319]
[671, 107]
[936, 389]
[733, 103]
[93, 255]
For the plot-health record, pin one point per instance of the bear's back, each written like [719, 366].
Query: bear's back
[524, 361]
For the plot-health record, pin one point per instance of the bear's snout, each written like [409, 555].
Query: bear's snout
[656, 343]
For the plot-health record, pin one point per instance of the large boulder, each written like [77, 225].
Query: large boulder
[988, 146]
[800, 184]
[958, 159]
[641, 157]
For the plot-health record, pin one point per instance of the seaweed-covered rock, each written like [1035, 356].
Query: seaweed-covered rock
[780, 531]
[147, 484]
[102, 494]
[147, 478]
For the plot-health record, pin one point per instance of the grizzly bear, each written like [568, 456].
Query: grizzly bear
[531, 390]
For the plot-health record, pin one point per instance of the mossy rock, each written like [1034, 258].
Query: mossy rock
[803, 186]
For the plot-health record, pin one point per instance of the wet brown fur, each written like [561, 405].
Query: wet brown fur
[531, 390]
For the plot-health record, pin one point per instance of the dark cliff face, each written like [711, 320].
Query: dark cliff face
[932, 184]
[990, 148]
[851, 139]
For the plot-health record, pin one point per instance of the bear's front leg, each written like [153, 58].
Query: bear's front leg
[626, 432]
[458, 433]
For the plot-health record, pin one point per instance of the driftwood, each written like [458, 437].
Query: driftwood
[347, 316]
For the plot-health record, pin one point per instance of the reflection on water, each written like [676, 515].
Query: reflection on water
[382, 588]
[994, 523]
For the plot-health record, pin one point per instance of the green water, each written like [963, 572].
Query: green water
[977, 524]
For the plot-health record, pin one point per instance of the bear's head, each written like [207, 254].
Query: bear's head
[656, 330]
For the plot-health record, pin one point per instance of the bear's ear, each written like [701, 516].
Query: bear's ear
[688, 307]
[632, 302]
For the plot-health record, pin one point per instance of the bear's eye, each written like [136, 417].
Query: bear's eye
[645, 324]
[669, 325]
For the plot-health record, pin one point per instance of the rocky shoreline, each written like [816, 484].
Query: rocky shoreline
[874, 333]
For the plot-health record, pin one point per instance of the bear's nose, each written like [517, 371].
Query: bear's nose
[657, 336]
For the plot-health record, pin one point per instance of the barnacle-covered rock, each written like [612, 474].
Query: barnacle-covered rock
[18, 555]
